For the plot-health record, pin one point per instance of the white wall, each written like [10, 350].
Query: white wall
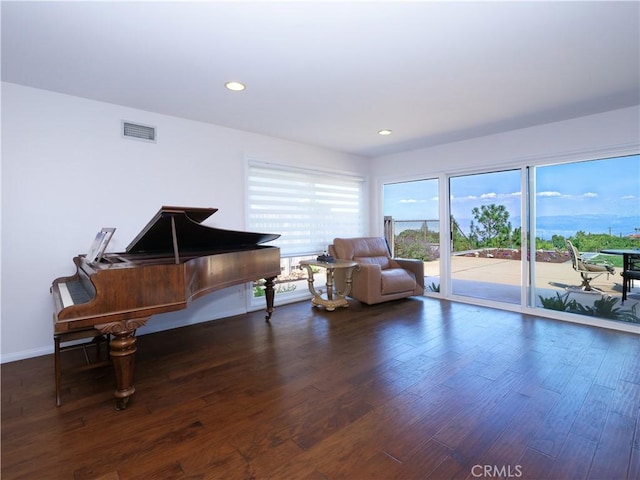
[67, 172]
[614, 132]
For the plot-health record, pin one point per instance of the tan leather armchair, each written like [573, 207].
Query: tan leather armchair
[378, 277]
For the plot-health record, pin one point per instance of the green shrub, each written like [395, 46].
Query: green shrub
[605, 307]
[560, 303]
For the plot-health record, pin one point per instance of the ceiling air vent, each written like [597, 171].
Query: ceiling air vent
[138, 132]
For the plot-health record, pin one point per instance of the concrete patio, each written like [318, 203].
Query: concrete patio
[499, 279]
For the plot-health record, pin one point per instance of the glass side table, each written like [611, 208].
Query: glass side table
[333, 298]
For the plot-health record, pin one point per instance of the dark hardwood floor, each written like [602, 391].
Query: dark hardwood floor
[414, 389]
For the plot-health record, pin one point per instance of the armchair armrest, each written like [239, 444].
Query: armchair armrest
[366, 280]
[364, 276]
[414, 266]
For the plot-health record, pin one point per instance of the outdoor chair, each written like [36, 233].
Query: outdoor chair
[588, 269]
[629, 275]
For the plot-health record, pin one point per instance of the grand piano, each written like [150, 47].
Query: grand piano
[172, 261]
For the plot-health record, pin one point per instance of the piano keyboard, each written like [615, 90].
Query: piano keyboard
[73, 293]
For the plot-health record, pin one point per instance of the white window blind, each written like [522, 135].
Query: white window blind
[307, 208]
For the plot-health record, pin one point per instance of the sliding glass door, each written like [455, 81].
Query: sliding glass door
[509, 235]
[590, 206]
[486, 236]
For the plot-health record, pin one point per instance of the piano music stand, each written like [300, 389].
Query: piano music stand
[97, 338]
[99, 245]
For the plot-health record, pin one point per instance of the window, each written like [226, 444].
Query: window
[308, 208]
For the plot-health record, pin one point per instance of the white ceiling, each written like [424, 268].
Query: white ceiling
[334, 73]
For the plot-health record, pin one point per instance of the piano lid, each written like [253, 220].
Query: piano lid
[157, 235]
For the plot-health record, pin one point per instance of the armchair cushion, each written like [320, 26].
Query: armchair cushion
[396, 280]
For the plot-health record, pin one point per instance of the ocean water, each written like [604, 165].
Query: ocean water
[569, 225]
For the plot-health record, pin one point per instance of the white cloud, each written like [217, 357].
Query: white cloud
[554, 194]
[488, 195]
[549, 194]
[463, 199]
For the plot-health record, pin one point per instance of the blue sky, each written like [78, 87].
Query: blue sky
[596, 187]
[602, 187]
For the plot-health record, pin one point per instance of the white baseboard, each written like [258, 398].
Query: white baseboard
[148, 329]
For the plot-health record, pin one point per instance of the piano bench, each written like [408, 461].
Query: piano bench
[97, 339]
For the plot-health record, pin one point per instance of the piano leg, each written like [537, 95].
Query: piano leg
[269, 294]
[123, 349]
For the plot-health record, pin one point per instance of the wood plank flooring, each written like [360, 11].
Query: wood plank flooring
[413, 389]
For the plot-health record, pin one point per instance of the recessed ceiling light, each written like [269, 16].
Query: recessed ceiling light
[384, 132]
[235, 86]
